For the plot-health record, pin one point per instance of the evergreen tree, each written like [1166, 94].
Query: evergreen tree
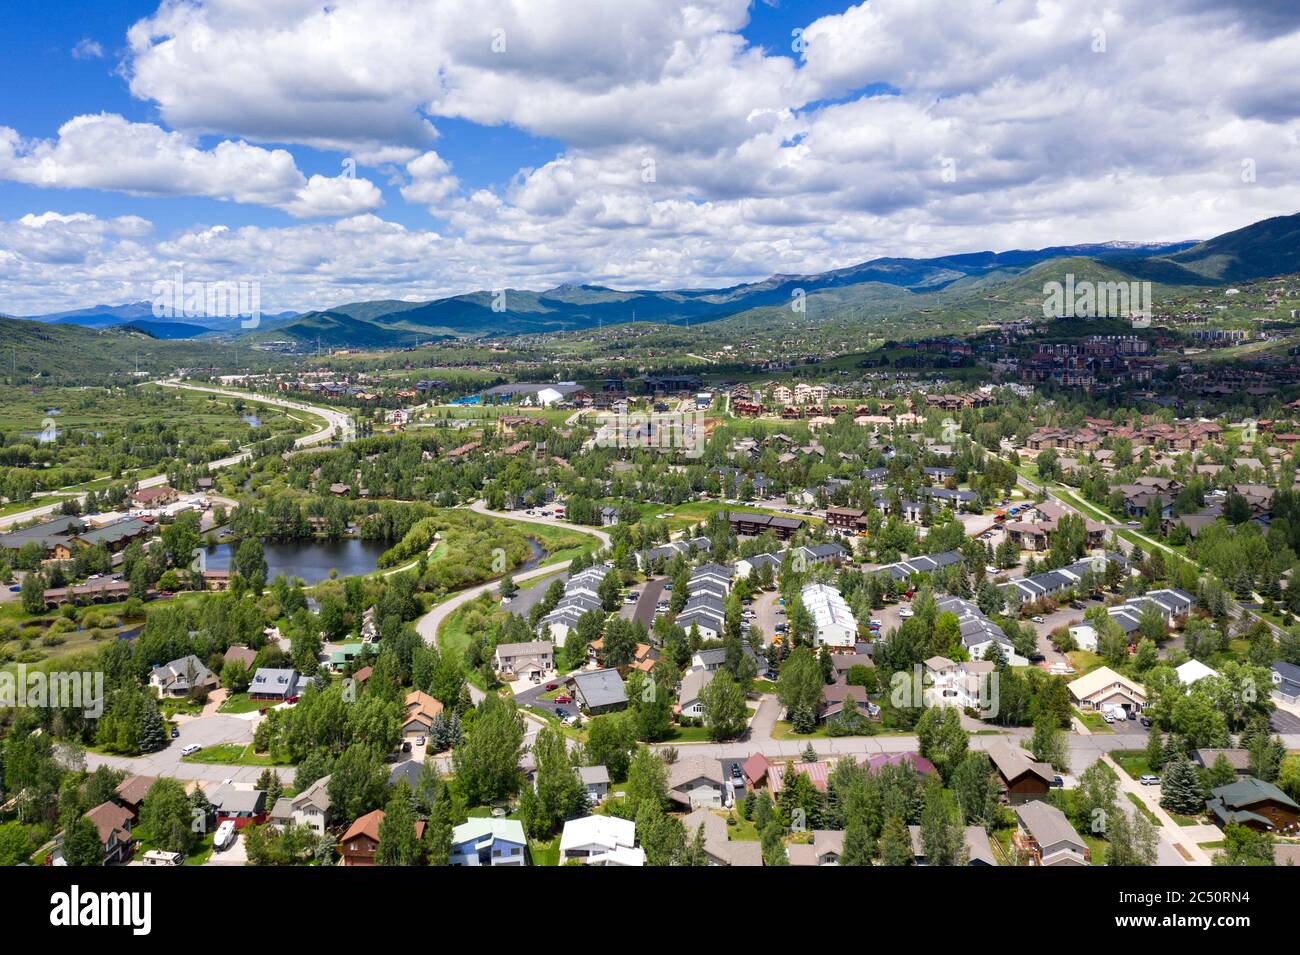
[397, 842]
[81, 845]
[153, 734]
[896, 843]
[1180, 788]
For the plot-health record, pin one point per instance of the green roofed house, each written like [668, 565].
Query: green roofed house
[116, 535]
[344, 655]
[1254, 803]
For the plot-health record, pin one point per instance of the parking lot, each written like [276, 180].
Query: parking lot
[651, 592]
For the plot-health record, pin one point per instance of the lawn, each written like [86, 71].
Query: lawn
[1097, 848]
[1152, 818]
[784, 730]
[240, 703]
[743, 831]
[233, 754]
[687, 734]
[1132, 761]
[1093, 721]
[544, 853]
[1083, 660]
[197, 856]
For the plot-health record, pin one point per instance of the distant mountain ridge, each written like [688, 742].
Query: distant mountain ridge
[875, 288]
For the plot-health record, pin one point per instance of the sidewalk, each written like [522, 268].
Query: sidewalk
[1183, 838]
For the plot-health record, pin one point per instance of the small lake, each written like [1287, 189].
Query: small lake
[311, 561]
[252, 420]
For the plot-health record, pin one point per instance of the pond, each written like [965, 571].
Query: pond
[311, 561]
[252, 420]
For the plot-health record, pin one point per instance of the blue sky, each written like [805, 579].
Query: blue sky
[648, 143]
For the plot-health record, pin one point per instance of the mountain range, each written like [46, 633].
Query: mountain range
[975, 285]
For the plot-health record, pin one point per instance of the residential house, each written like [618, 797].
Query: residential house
[273, 685]
[489, 842]
[600, 840]
[1238, 759]
[1045, 837]
[1286, 682]
[242, 806]
[113, 823]
[697, 781]
[833, 621]
[360, 843]
[690, 697]
[309, 808]
[595, 780]
[1256, 804]
[421, 711]
[525, 661]
[181, 677]
[979, 852]
[1019, 776]
[599, 691]
[1102, 686]
[717, 844]
[130, 793]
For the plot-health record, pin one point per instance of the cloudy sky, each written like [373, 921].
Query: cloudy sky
[416, 148]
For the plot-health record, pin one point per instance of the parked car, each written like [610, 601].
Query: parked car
[631, 598]
[406, 746]
[191, 749]
[552, 686]
[1058, 782]
[419, 741]
[905, 612]
[1149, 779]
[176, 732]
[15, 590]
[564, 698]
[736, 775]
[1037, 619]
[1145, 720]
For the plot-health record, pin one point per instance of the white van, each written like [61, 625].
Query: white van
[225, 835]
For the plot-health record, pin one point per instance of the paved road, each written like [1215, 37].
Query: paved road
[428, 625]
[207, 731]
[334, 419]
[1178, 844]
[482, 508]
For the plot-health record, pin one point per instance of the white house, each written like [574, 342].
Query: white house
[691, 696]
[833, 622]
[309, 808]
[600, 840]
[1084, 636]
[1194, 671]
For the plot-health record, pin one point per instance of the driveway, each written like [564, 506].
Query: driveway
[643, 611]
[528, 597]
[1285, 722]
[767, 614]
[234, 854]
